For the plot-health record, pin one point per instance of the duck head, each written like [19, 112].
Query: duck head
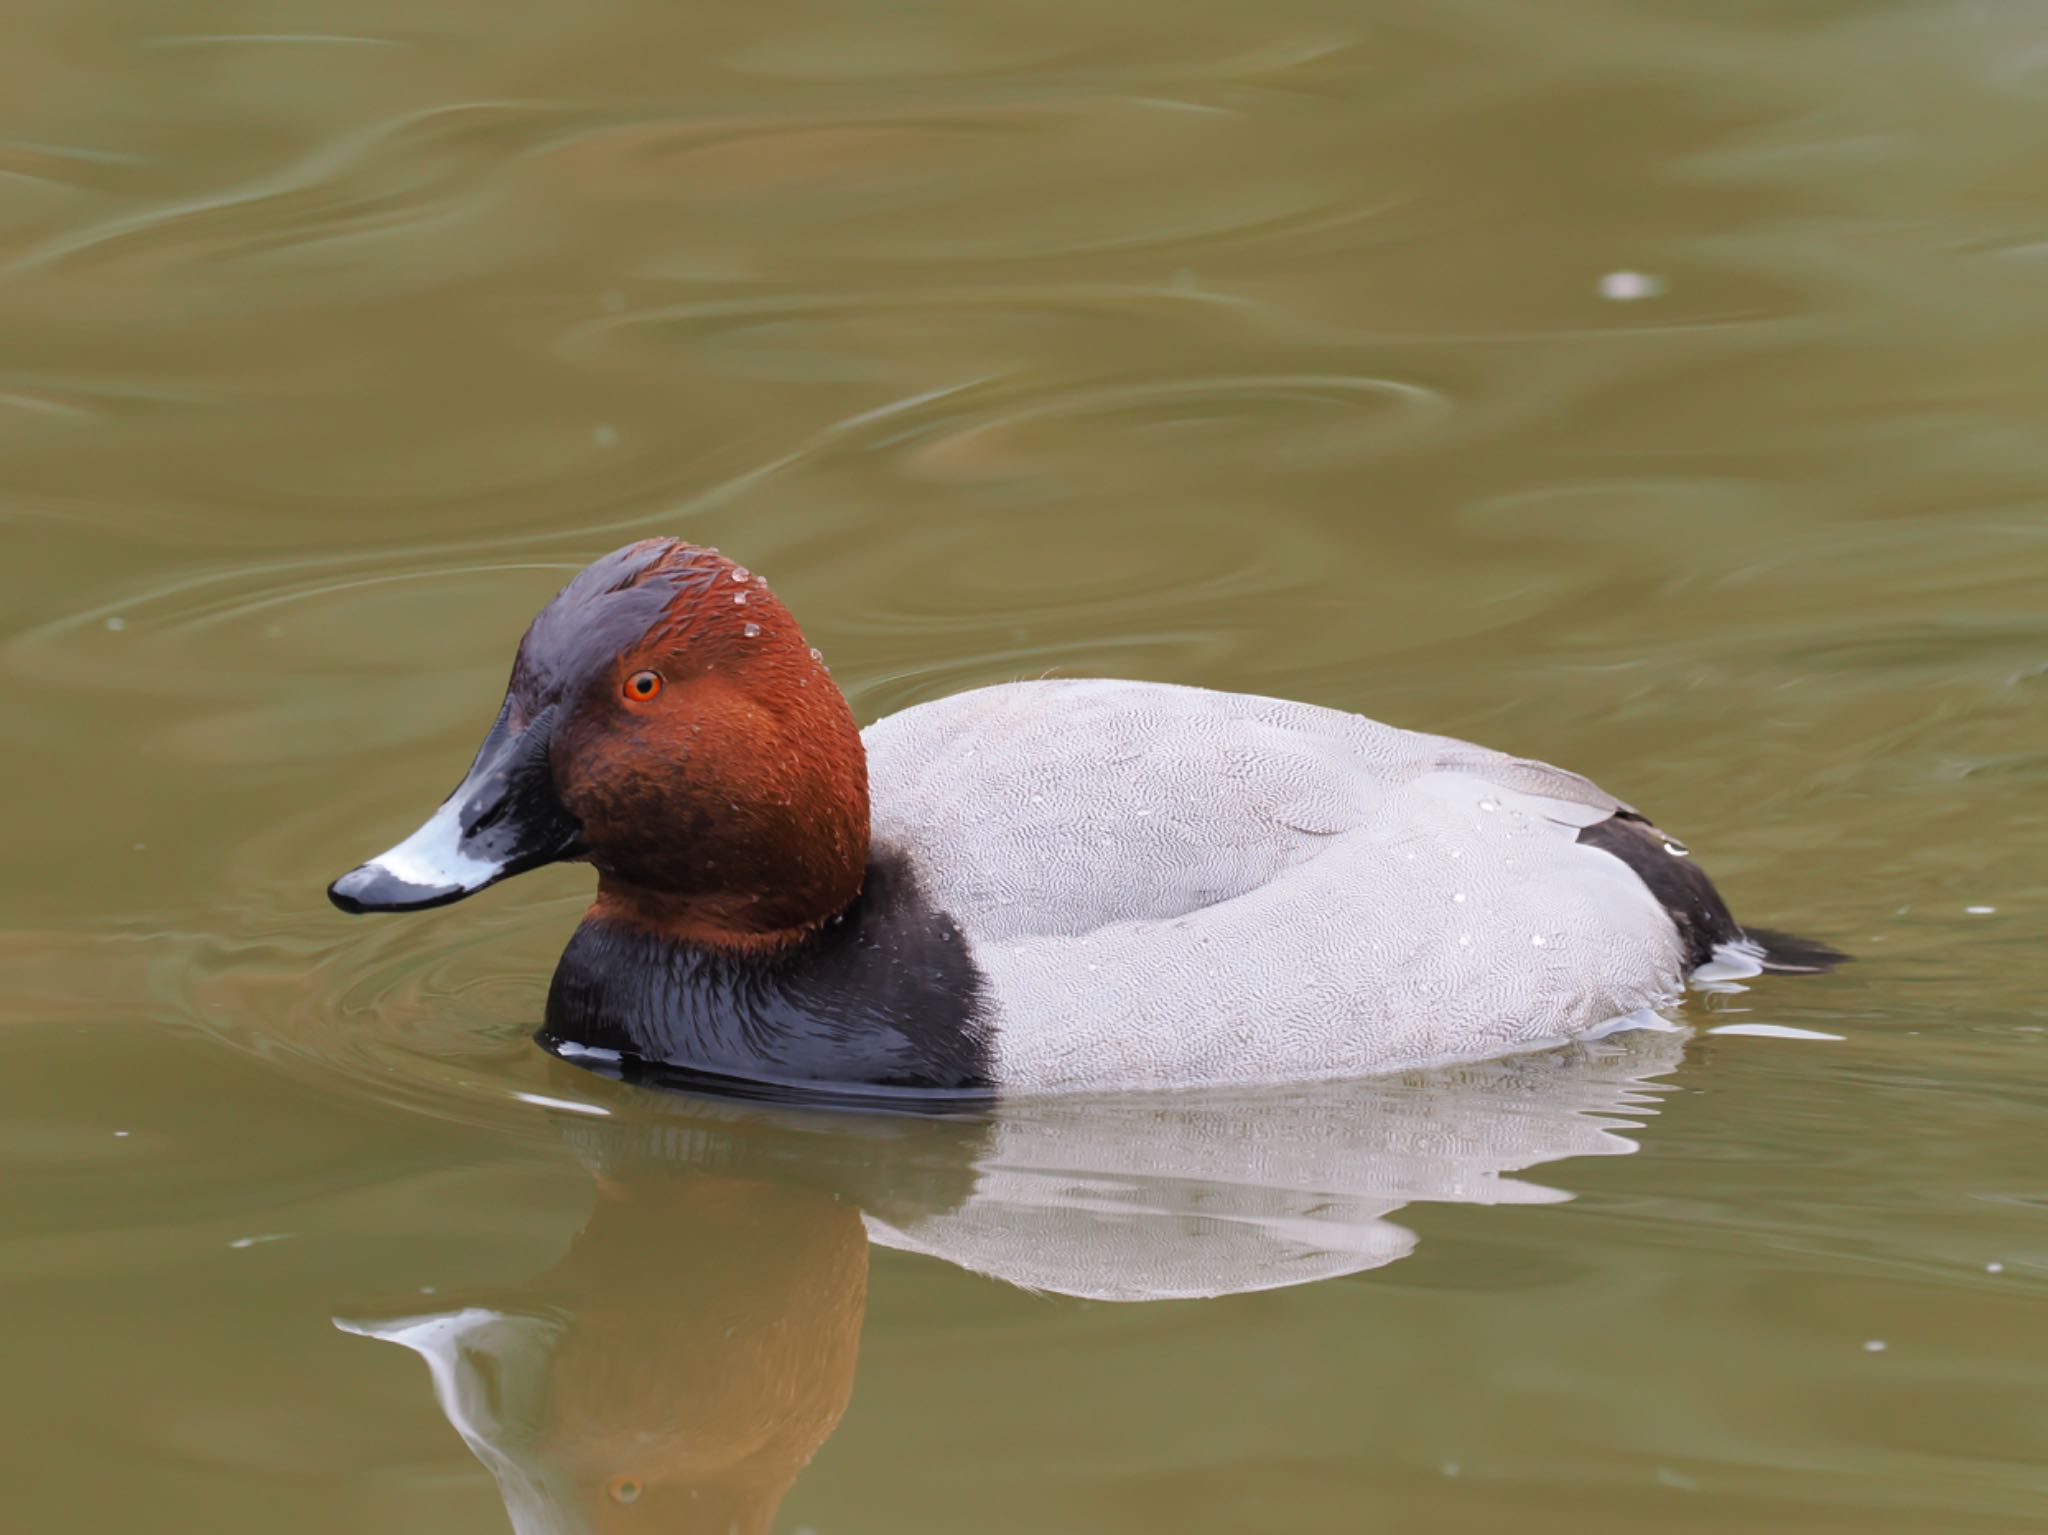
[667, 723]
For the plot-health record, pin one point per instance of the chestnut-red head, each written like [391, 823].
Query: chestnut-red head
[667, 722]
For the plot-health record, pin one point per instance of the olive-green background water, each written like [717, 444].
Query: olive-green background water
[1661, 389]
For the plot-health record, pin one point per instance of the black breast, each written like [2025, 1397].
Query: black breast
[885, 996]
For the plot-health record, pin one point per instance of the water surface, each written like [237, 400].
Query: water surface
[1653, 388]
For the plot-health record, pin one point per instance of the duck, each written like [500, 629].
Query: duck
[1048, 886]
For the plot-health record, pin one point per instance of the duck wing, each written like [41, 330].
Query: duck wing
[1061, 807]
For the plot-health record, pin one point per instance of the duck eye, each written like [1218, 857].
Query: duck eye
[642, 686]
[624, 1489]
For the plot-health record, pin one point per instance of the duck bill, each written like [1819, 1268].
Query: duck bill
[503, 819]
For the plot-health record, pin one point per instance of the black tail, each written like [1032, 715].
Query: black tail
[1694, 905]
[1793, 955]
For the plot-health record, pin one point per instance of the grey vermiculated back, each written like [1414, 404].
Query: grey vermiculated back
[1165, 885]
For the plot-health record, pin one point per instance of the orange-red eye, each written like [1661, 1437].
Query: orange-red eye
[642, 686]
[624, 1489]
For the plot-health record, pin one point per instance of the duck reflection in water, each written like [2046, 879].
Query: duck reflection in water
[696, 1345]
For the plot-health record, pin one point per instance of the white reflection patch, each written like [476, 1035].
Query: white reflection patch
[545, 1102]
[1772, 1031]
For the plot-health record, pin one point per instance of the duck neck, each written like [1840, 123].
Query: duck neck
[740, 924]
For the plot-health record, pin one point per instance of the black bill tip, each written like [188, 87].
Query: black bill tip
[371, 887]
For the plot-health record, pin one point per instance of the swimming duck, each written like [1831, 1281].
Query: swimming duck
[1034, 887]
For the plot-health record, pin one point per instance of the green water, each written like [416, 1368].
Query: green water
[1658, 389]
